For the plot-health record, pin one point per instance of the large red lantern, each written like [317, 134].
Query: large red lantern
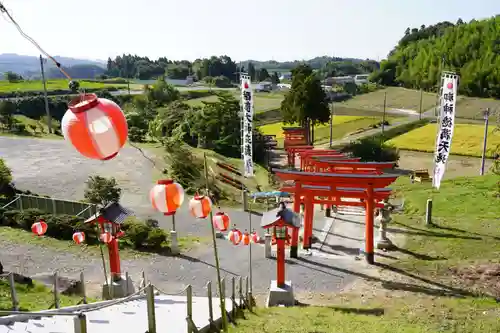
[96, 127]
[200, 206]
[235, 236]
[79, 237]
[221, 221]
[39, 228]
[166, 196]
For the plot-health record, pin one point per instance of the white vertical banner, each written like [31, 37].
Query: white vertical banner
[446, 122]
[247, 132]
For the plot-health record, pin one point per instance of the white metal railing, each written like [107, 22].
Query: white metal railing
[240, 298]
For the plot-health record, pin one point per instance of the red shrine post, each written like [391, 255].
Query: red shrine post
[110, 218]
[364, 186]
[280, 219]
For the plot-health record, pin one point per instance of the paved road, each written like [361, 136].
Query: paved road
[52, 167]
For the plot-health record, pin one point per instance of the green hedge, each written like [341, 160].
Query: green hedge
[56, 92]
[192, 94]
[138, 235]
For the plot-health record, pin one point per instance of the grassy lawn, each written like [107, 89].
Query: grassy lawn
[342, 126]
[62, 84]
[439, 282]
[34, 128]
[262, 101]
[397, 98]
[20, 236]
[32, 298]
[467, 140]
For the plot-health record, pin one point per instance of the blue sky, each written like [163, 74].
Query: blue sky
[256, 29]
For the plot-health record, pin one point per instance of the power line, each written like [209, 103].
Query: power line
[11, 19]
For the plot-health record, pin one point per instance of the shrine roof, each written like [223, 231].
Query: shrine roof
[112, 212]
[271, 217]
[346, 179]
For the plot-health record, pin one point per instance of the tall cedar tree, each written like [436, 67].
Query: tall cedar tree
[306, 103]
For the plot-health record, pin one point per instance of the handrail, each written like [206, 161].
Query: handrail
[10, 203]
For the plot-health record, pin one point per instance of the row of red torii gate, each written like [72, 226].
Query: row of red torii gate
[329, 177]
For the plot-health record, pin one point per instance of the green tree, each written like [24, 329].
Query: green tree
[5, 175]
[7, 110]
[275, 78]
[251, 71]
[263, 74]
[306, 102]
[12, 77]
[372, 149]
[182, 165]
[162, 93]
[102, 191]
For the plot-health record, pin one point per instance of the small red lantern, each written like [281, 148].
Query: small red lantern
[39, 228]
[235, 236]
[245, 238]
[96, 127]
[78, 237]
[200, 206]
[254, 237]
[221, 221]
[166, 196]
[106, 237]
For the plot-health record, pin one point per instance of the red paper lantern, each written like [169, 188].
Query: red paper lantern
[221, 221]
[254, 237]
[200, 206]
[166, 196]
[235, 236]
[106, 237]
[96, 127]
[245, 238]
[78, 237]
[39, 228]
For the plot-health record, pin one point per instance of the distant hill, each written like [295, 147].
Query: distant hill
[29, 66]
[315, 63]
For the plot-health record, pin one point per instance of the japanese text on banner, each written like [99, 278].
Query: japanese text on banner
[446, 125]
[247, 102]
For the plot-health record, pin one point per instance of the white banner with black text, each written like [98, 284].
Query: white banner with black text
[247, 132]
[446, 123]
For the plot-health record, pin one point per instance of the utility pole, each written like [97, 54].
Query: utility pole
[383, 116]
[49, 119]
[331, 124]
[486, 115]
[420, 106]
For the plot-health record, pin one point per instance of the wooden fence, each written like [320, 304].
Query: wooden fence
[240, 297]
[51, 205]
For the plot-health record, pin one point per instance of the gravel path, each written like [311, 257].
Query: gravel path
[53, 168]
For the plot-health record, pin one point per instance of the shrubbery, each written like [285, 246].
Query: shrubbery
[138, 235]
[372, 149]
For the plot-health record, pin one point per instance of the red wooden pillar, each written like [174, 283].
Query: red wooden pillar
[294, 247]
[114, 259]
[280, 242]
[308, 221]
[369, 242]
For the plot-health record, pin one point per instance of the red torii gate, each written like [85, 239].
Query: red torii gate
[307, 155]
[294, 136]
[292, 151]
[309, 164]
[361, 186]
[341, 166]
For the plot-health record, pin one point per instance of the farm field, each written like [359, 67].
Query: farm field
[467, 140]
[397, 98]
[472, 107]
[262, 101]
[342, 126]
[61, 84]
